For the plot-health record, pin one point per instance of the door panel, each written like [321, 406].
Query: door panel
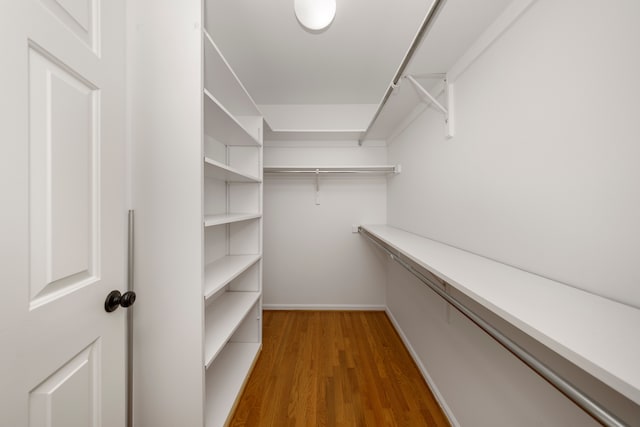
[63, 216]
[79, 16]
[63, 144]
[68, 398]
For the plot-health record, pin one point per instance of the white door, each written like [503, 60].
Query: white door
[62, 212]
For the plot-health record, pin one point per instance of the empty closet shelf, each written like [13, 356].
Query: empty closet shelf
[222, 318]
[225, 379]
[595, 333]
[222, 126]
[219, 273]
[216, 170]
[211, 220]
[221, 80]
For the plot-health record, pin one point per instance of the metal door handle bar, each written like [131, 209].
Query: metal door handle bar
[130, 265]
[593, 408]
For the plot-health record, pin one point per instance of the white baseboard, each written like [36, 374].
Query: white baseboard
[434, 389]
[324, 307]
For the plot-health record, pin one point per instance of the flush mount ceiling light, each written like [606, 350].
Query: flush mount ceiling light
[315, 14]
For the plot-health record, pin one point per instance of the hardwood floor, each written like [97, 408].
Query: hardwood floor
[323, 368]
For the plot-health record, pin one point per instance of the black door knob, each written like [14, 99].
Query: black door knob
[115, 299]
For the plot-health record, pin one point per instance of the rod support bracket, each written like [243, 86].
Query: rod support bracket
[448, 95]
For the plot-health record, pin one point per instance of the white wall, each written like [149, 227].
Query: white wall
[164, 41]
[543, 171]
[542, 175]
[311, 257]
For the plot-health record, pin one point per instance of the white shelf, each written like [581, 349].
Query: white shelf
[221, 80]
[225, 380]
[211, 220]
[222, 271]
[312, 134]
[222, 318]
[597, 334]
[218, 170]
[375, 169]
[221, 125]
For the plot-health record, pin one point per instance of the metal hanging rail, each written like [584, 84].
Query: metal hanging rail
[593, 408]
[422, 31]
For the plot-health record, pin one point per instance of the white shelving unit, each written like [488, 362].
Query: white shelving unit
[232, 227]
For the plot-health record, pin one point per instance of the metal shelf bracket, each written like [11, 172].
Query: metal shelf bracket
[448, 94]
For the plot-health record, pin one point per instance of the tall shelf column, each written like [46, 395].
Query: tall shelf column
[232, 223]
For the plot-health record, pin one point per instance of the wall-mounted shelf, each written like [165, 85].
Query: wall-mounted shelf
[218, 170]
[222, 318]
[314, 170]
[211, 220]
[312, 134]
[219, 273]
[222, 126]
[595, 333]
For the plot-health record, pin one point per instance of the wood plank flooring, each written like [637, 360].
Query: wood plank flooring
[323, 368]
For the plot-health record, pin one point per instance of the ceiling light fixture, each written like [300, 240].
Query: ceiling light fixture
[315, 14]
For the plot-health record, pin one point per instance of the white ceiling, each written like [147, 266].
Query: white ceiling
[279, 62]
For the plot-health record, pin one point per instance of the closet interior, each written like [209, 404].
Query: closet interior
[486, 169]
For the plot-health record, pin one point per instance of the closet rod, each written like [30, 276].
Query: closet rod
[422, 31]
[594, 409]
